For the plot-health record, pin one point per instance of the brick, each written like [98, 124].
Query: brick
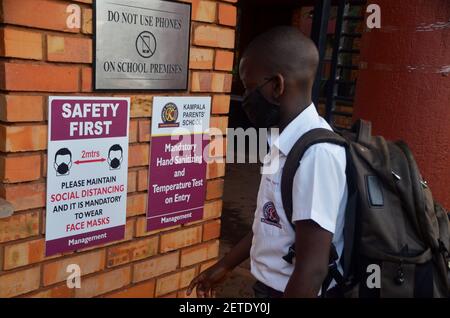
[55, 272]
[201, 59]
[24, 253]
[204, 11]
[214, 189]
[173, 282]
[86, 79]
[221, 104]
[199, 253]
[18, 283]
[24, 196]
[132, 181]
[186, 277]
[86, 21]
[144, 130]
[18, 108]
[224, 60]
[69, 49]
[180, 238]
[142, 180]
[220, 123]
[19, 169]
[44, 165]
[141, 228]
[133, 131]
[213, 36]
[212, 209]
[206, 265]
[227, 14]
[133, 251]
[129, 229]
[211, 230]
[129, 234]
[61, 291]
[103, 283]
[138, 155]
[182, 294]
[144, 290]
[217, 147]
[1, 258]
[43, 14]
[141, 106]
[211, 82]
[136, 204]
[39, 77]
[167, 284]
[215, 170]
[23, 138]
[19, 226]
[20, 44]
[170, 295]
[155, 267]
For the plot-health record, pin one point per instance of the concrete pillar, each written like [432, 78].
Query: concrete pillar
[404, 84]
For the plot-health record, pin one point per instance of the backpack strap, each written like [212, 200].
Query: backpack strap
[315, 136]
[363, 129]
[333, 273]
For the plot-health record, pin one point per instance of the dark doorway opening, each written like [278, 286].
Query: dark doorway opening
[339, 64]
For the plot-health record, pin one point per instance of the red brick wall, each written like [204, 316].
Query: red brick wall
[41, 56]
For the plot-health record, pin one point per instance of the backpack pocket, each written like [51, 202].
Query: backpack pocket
[395, 278]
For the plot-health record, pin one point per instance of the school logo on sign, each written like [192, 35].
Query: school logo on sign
[169, 116]
[270, 215]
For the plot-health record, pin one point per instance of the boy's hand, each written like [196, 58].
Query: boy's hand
[208, 280]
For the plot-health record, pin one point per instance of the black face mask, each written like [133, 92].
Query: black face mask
[261, 112]
[115, 163]
[63, 168]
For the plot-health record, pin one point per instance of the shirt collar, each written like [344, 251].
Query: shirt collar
[301, 124]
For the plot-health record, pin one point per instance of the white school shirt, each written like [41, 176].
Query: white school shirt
[319, 194]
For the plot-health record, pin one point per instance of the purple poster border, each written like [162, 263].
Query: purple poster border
[173, 219]
[160, 215]
[104, 236]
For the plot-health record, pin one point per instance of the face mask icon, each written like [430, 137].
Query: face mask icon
[63, 162]
[63, 168]
[115, 155]
[115, 163]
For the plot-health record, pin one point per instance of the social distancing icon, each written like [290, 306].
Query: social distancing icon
[63, 162]
[115, 157]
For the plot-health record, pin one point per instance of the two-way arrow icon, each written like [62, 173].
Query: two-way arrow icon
[89, 161]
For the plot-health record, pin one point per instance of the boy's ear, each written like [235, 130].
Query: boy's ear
[278, 86]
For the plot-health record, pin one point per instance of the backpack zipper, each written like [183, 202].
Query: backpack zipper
[400, 278]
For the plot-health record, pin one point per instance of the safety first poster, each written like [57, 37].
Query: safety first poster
[87, 170]
[177, 173]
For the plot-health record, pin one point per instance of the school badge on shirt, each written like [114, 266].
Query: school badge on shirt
[270, 215]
